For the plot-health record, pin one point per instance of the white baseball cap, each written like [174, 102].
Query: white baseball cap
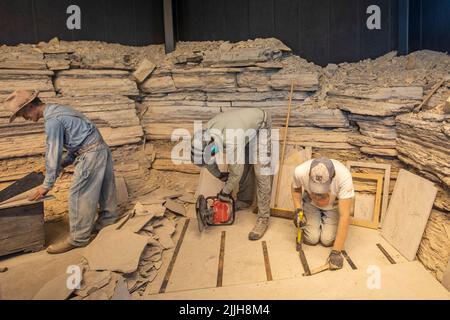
[321, 173]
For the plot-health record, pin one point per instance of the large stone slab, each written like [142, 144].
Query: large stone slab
[408, 212]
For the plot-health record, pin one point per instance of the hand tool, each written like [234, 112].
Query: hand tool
[326, 266]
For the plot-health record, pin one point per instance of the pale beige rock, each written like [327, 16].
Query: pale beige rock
[55, 289]
[175, 207]
[205, 82]
[408, 213]
[371, 108]
[92, 281]
[115, 250]
[144, 69]
[302, 81]
[434, 249]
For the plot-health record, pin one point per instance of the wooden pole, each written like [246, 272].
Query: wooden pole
[433, 91]
[284, 143]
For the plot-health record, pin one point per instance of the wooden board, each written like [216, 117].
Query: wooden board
[293, 158]
[375, 216]
[22, 228]
[386, 180]
[408, 212]
[11, 203]
[400, 281]
[22, 185]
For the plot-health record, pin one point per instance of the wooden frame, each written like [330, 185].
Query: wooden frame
[386, 182]
[376, 212]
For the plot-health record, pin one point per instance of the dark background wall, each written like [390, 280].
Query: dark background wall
[318, 30]
[321, 31]
[130, 22]
[434, 25]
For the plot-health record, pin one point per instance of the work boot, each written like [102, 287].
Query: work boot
[61, 247]
[241, 205]
[259, 229]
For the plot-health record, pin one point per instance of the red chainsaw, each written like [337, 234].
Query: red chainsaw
[213, 212]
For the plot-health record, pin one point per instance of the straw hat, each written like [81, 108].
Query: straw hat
[18, 100]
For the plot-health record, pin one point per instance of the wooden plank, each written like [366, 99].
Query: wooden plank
[386, 180]
[221, 260]
[349, 260]
[408, 212]
[293, 159]
[22, 228]
[23, 202]
[386, 254]
[24, 184]
[373, 223]
[318, 255]
[267, 261]
[401, 281]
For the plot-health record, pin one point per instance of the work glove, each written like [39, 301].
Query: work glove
[335, 260]
[297, 221]
[224, 197]
[223, 176]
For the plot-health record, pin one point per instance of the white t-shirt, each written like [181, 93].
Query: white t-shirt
[341, 185]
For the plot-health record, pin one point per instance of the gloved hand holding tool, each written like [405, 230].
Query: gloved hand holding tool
[224, 197]
[224, 176]
[335, 260]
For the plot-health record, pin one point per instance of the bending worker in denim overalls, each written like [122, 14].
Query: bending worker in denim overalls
[93, 182]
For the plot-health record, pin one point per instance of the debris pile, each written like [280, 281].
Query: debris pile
[125, 258]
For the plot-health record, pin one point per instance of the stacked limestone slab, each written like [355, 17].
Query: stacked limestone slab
[65, 74]
[375, 92]
[197, 82]
[424, 143]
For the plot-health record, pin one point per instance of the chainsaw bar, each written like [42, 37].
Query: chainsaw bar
[200, 207]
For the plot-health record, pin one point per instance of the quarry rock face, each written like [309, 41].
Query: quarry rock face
[365, 111]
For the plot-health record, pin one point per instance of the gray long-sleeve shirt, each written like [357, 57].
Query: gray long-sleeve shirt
[246, 122]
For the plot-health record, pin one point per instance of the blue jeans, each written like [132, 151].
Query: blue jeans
[321, 225]
[93, 186]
